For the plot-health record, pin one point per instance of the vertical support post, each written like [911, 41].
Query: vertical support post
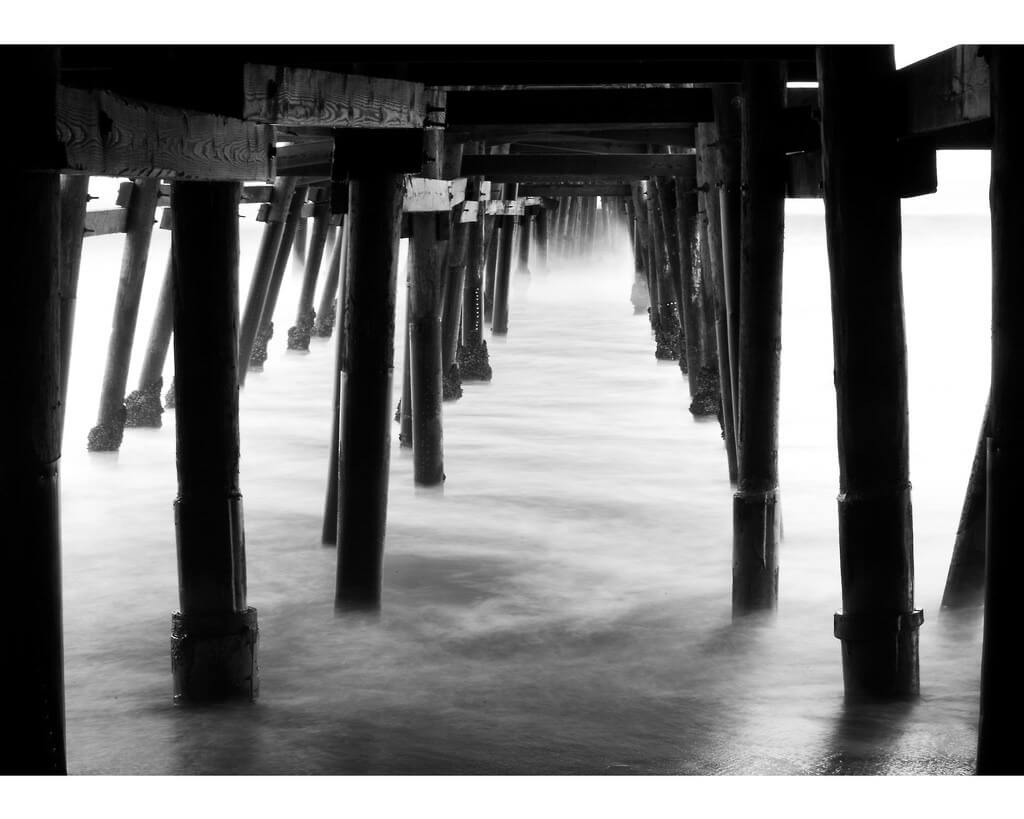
[668, 333]
[299, 333]
[405, 403]
[214, 636]
[472, 352]
[301, 240]
[1002, 711]
[965, 582]
[541, 222]
[523, 258]
[375, 209]
[878, 625]
[755, 518]
[32, 683]
[639, 295]
[323, 324]
[266, 257]
[506, 226]
[680, 263]
[265, 320]
[142, 406]
[490, 265]
[109, 430]
[708, 173]
[453, 294]
[74, 196]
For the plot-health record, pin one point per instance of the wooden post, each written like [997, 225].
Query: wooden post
[1002, 710]
[74, 195]
[266, 257]
[541, 256]
[458, 253]
[472, 353]
[266, 318]
[727, 106]
[300, 241]
[214, 636]
[639, 295]
[680, 265]
[755, 518]
[708, 173]
[326, 316]
[299, 333]
[32, 682]
[375, 209]
[490, 265]
[404, 414]
[506, 226]
[523, 258]
[668, 334]
[643, 242]
[878, 625]
[965, 582]
[107, 434]
[329, 533]
[142, 406]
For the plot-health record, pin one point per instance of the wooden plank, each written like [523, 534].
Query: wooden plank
[304, 96]
[107, 135]
[559, 167]
[291, 159]
[470, 212]
[426, 195]
[570, 109]
[105, 222]
[575, 190]
[947, 95]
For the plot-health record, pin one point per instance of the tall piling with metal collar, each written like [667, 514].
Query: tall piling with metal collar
[878, 625]
[755, 504]
[1002, 711]
[107, 434]
[375, 209]
[32, 683]
[215, 634]
[300, 332]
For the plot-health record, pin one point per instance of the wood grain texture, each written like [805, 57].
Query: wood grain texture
[107, 135]
[105, 222]
[304, 96]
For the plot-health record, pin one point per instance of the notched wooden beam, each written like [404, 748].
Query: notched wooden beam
[288, 96]
[107, 135]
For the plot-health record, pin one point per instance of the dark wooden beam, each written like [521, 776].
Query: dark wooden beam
[106, 135]
[574, 190]
[559, 167]
[474, 112]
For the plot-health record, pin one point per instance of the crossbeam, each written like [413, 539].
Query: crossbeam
[580, 167]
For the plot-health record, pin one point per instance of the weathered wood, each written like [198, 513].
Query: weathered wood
[326, 316]
[105, 222]
[285, 95]
[965, 582]
[265, 324]
[74, 195]
[523, 249]
[755, 507]
[491, 225]
[565, 190]
[214, 635]
[473, 359]
[375, 203]
[470, 114]
[106, 135]
[668, 339]
[681, 271]
[142, 407]
[947, 96]
[458, 261]
[559, 167]
[1001, 724]
[299, 333]
[33, 678]
[541, 224]
[329, 533]
[107, 434]
[878, 625]
[259, 285]
[505, 226]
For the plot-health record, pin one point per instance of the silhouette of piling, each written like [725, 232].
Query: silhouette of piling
[878, 625]
[109, 430]
[215, 635]
[300, 332]
[323, 324]
[523, 250]
[142, 406]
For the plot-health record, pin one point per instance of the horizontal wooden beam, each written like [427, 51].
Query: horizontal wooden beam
[475, 112]
[946, 97]
[579, 167]
[105, 222]
[284, 95]
[250, 194]
[106, 135]
[916, 174]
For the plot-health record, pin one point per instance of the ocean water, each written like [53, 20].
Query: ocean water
[563, 605]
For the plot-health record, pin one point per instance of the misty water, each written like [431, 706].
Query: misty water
[563, 606]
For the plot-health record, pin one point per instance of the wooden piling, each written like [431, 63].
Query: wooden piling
[32, 683]
[965, 581]
[265, 322]
[74, 196]
[490, 266]
[215, 634]
[301, 241]
[323, 324]
[375, 209]
[300, 332]
[668, 337]
[755, 518]
[506, 226]
[109, 430]
[878, 625]
[472, 353]
[142, 407]
[680, 264]
[266, 257]
[639, 295]
[523, 254]
[458, 255]
[1001, 725]
[541, 255]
